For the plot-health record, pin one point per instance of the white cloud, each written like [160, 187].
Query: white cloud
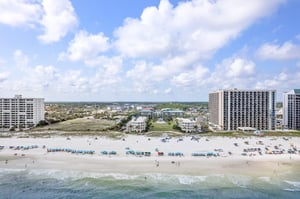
[168, 91]
[20, 12]
[43, 77]
[283, 81]
[233, 72]
[86, 47]
[58, 20]
[181, 37]
[3, 76]
[112, 65]
[45, 72]
[192, 78]
[196, 26]
[21, 59]
[287, 50]
[238, 67]
[73, 82]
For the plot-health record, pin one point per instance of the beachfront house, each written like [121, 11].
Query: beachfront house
[187, 125]
[137, 124]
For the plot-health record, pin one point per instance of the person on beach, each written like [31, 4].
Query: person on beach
[157, 163]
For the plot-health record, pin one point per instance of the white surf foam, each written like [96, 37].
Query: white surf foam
[294, 183]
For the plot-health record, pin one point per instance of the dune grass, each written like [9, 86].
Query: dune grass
[79, 124]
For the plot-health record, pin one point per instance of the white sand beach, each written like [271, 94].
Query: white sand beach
[225, 155]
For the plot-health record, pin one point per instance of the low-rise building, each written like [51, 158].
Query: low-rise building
[187, 125]
[147, 113]
[170, 113]
[137, 124]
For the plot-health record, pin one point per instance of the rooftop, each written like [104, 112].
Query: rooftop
[297, 91]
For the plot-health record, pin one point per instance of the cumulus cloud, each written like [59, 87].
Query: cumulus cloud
[21, 59]
[281, 82]
[233, 72]
[45, 72]
[238, 67]
[43, 77]
[20, 12]
[180, 37]
[168, 91]
[86, 47]
[195, 77]
[287, 50]
[56, 18]
[196, 26]
[3, 76]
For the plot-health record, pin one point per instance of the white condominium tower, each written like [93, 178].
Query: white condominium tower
[291, 109]
[20, 112]
[230, 109]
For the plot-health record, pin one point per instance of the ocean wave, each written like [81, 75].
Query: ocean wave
[292, 190]
[175, 179]
[5, 171]
[209, 181]
[265, 179]
[76, 175]
[187, 180]
[239, 180]
[293, 183]
[149, 177]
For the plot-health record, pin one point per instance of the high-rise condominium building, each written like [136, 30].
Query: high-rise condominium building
[291, 109]
[230, 109]
[20, 112]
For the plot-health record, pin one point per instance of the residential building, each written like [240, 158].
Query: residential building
[187, 125]
[168, 113]
[233, 108]
[147, 113]
[20, 112]
[291, 109]
[137, 124]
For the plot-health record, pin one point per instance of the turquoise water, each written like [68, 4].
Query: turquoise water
[35, 184]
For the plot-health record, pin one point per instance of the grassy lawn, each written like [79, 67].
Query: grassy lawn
[80, 124]
[162, 126]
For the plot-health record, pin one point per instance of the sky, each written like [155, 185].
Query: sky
[147, 50]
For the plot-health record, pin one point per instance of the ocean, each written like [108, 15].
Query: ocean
[49, 184]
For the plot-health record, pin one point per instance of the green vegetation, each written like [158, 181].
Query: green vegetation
[282, 133]
[279, 105]
[166, 126]
[180, 106]
[79, 124]
[48, 134]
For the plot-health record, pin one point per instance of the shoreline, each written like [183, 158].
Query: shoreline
[253, 163]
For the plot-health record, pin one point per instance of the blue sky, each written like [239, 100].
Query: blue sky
[76, 50]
